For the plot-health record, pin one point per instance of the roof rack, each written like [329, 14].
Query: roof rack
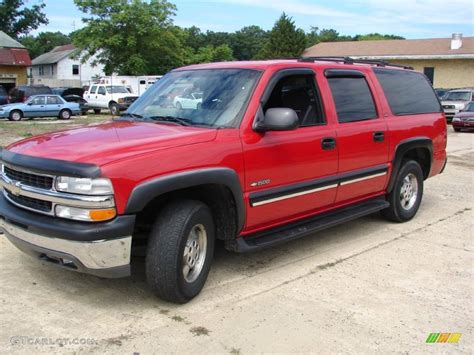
[349, 60]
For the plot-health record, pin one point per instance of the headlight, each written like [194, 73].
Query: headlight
[121, 100]
[82, 214]
[84, 186]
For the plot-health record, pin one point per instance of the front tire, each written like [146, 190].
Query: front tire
[180, 251]
[406, 195]
[15, 115]
[65, 115]
[114, 109]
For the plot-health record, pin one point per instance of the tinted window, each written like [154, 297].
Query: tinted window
[407, 92]
[101, 90]
[353, 99]
[298, 92]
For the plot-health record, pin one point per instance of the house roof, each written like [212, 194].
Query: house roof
[395, 49]
[14, 56]
[55, 55]
[7, 42]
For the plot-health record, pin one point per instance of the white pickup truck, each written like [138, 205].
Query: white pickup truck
[116, 98]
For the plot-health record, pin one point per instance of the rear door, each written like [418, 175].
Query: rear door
[53, 105]
[362, 136]
[91, 97]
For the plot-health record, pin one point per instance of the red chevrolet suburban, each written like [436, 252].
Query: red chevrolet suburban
[267, 152]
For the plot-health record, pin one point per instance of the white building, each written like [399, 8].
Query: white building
[58, 69]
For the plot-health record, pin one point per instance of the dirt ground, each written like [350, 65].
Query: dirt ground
[364, 287]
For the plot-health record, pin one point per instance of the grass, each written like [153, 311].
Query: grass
[13, 131]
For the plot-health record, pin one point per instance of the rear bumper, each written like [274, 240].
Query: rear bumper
[99, 249]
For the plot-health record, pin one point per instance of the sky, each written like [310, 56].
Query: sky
[408, 18]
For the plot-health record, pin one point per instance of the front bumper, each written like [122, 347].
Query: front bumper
[101, 249]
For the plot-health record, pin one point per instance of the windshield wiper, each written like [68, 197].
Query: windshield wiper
[180, 121]
[132, 115]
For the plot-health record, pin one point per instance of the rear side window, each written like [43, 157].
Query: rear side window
[407, 92]
[53, 100]
[353, 99]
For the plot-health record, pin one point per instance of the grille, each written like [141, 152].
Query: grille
[29, 202]
[39, 181]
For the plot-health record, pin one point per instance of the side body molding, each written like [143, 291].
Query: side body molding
[402, 149]
[147, 191]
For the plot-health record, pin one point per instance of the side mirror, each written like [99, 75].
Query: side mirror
[278, 119]
[29, 103]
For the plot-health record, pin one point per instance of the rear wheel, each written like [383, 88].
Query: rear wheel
[457, 129]
[97, 111]
[114, 109]
[180, 251]
[15, 115]
[406, 194]
[65, 115]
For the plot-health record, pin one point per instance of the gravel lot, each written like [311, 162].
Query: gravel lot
[367, 286]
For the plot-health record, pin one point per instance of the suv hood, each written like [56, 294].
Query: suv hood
[105, 143]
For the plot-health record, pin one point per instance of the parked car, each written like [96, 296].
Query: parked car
[276, 151]
[116, 98]
[23, 92]
[455, 101]
[464, 120]
[188, 101]
[40, 106]
[3, 96]
[78, 100]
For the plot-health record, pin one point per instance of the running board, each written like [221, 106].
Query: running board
[295, 230]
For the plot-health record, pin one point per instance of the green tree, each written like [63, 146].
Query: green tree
[247, 42]
[375, 37]
[44, 42]
[222, 53]
[17, 20]
[284, 40]
[130, 37]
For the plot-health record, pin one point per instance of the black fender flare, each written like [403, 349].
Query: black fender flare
[144, 193]
[402, 148]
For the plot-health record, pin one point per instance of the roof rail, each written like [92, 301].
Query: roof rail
[349, 60]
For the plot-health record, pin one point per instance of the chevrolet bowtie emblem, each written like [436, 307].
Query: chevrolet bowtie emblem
[16, 189]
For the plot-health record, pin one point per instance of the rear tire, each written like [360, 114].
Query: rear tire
[406, 195]
[457, 129]
[97, 111]
[65, 115]
[15, 115]
[180, 251]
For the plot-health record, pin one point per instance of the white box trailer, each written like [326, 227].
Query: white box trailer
[135, 84]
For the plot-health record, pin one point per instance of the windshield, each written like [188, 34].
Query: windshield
[458, 96]
[115, 89]
[470, 107]
[209, 97]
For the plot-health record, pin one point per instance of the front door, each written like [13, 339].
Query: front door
[36, 107]
[285, 171]
[362, 137]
